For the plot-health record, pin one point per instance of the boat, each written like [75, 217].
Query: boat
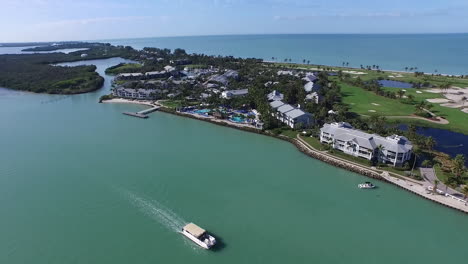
[366, 185]
[198, 235]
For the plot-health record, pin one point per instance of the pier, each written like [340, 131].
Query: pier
[143, 113]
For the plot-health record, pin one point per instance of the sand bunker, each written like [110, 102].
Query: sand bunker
[438, 100]
[375, 104]
[465, 110]
[372, 111]
[419, 92]
[355, 72]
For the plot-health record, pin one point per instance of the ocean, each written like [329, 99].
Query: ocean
[82, 183]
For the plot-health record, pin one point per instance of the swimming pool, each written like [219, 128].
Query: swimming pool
[237, 119]
[202, 111]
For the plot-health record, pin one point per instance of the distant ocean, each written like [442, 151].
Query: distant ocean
[446, 53]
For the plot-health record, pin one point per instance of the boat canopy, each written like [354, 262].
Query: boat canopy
[194, 229]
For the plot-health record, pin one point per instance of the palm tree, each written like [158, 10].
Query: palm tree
[406, 68]
[303, 61]
[308, 62]
[430, 143]
[436, 182]
[459, 167]
[411, 97]
[465, 191]
[447, 182]
[380, 150]
[417, 152]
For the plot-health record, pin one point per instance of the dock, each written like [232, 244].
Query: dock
[143, 113]
[135, 114]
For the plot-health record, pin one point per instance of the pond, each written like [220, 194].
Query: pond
[449, 142]
[395, 84]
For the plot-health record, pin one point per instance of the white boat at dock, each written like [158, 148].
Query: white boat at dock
[198, 235]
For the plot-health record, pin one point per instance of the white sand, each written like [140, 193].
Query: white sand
[128, 101]
[372, 111]
[465, 110]
[438, 100]
[355, 72]
[419, 92]
[375, 104]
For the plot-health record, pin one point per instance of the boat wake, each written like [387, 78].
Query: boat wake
[157, 211]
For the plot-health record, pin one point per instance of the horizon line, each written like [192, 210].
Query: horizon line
[238, 34]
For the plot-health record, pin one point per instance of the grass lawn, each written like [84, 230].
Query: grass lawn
[314, 142]
[175, 103]
[443, 176]
[289, 133]
[361, 101]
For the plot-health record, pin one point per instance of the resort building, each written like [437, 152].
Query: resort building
[313, 97]
[156, 74]
[275, 96]
[234, 93]
[142, 94]
[290, 115]
[342, 136]
[310, 77]
[224, 78]
[130, 76]
[285, 73]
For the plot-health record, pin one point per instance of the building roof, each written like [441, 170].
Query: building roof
[275, 96]
[238, 92]
[131, 74]
[276, 104]
[345, 132]
[195, 230]
[296, 113]
[310, 77]
[285, 108]
[155, 72]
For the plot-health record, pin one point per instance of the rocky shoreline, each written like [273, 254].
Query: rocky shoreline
[329, 159]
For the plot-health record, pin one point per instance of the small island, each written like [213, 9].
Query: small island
[37, 72]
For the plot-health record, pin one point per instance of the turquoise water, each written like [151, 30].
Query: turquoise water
[202, 111]
[82, 183]
[237, 119]
[445, 53]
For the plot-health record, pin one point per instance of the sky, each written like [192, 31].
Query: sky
[56, 20]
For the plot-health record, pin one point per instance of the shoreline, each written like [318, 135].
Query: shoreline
[407, 184]
[309, 67]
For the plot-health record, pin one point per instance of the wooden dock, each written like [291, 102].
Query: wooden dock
[135, 114]
[143, 113]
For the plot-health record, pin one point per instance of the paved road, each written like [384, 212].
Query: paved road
[430, 176]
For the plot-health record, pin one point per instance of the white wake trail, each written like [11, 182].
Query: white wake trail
[157, 211]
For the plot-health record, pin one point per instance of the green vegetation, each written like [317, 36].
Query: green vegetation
[34, 72]
[314, 142]
[105, 97]
[65, 45]
[124, 68]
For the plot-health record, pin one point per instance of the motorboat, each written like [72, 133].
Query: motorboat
[198, 235]
[366, 185]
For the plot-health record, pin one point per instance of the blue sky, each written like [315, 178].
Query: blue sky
[50, 20]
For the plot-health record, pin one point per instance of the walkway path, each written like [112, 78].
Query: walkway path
[430, 176]
[419, 188]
